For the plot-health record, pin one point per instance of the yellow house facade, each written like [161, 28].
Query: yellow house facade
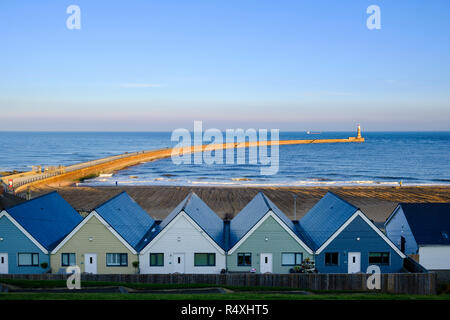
[96, 248]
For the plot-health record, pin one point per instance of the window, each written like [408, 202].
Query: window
[156, 259]
[117, 259]
[331, 258]
[291, 259]
[28, 259]
[378, 257]
[244, 259]
[67, 259]
[205, 259]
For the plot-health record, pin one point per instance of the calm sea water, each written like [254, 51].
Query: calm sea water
[385, 158]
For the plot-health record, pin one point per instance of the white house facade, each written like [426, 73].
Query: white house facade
[182, 247]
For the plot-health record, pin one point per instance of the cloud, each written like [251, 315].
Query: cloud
[140, 85]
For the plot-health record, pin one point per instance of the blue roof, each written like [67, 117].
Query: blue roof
[429, 222]
[198, 211]
[48, 218]
[325, 218]
[127, 218]
[252, 213]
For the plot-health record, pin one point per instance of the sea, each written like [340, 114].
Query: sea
[385, 158]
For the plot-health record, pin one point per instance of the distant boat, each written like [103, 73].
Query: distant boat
[105, 175]
[312, 132]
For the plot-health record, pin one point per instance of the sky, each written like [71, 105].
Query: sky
[289, 65]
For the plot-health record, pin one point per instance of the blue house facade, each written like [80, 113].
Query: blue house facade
[31, 229]
[19, 252]
[422, 231]
[346, 241]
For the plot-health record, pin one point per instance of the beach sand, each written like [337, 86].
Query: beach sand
[376, 202]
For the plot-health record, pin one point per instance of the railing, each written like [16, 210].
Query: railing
[41, 176]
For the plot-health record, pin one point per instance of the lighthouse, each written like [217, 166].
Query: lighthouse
[358, 132]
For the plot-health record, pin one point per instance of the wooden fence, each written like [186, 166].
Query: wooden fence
[410, 283]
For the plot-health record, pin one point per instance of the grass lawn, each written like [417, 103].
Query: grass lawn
[132, 285]
[240, 293]
[226, 296]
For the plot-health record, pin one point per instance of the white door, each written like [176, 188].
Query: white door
[90, 263]
[354, 262]
[266, 262]
[178, 263]
[3, 263]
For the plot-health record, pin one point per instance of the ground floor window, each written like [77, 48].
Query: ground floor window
[117, 259]
[331, 258]
[378, 257]
[68, 259]
[28, 259]
[244, 259]
[204, 259]
[291, 258]
[156, 259]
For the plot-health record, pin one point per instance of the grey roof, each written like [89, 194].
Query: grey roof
[325, 218]
[48, 218]
[127, 218]
[252, 213]
[198, 211]
[429, 222]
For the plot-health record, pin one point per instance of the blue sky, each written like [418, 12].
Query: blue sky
[160, 65]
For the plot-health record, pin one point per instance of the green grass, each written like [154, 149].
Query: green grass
[241, 293]
[132, 285]
[226, 296]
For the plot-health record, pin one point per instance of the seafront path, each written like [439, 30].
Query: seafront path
[68, 175]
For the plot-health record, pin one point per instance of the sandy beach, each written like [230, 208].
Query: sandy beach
[376, 202]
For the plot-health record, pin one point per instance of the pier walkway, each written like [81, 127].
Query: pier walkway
[67, 175]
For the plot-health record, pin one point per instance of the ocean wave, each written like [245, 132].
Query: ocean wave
[394, 177]
[441, 180]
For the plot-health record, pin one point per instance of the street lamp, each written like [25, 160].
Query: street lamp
[295, 206]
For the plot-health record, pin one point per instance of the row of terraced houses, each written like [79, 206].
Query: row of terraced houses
[46, 234]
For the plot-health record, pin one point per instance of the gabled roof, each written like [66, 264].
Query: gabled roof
[200, 213]
[429, 222]
[325, 218]
[252, 213]
[48, 218]
[127, 218]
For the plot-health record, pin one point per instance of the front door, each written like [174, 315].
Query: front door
[354, 262]
[90, 263]
[178, 263]
[3, 263]
[266, 263]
